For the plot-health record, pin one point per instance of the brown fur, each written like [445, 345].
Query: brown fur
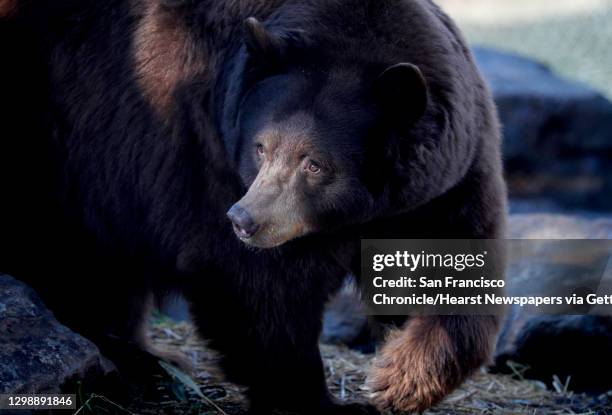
[111, 193]
[422, 363]
[8, 8]
[165, 55]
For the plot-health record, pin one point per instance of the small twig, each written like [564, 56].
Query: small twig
[187, 381]
[105, 399]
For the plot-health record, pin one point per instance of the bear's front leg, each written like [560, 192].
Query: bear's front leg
[427, 359]
[296, 383]
[267, 338]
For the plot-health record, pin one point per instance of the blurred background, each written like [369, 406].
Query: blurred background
[574, 37]
[549, 63]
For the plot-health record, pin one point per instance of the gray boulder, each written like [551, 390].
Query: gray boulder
[573, 348]
[38, 354]
[557, 133]
[577, 347]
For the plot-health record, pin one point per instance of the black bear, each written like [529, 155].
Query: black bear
[236, 151]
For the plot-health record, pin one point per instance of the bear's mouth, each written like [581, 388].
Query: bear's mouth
[241, 234]
[262, 239]
[271, 235]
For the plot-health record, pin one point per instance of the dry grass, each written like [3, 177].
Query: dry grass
[346, 370]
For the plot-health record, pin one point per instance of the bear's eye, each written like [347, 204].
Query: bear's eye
[312, 167]
[260, 149]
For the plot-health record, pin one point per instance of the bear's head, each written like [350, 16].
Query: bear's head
[315, 131]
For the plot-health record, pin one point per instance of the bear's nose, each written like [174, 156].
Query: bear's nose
[244, 225]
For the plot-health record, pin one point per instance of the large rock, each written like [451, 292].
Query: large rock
[577, 347]
[574, 348]
[38, 354]
[557, 133]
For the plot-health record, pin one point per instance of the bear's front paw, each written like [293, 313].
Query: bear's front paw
[416, 368]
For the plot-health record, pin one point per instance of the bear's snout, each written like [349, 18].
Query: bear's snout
[243, 222]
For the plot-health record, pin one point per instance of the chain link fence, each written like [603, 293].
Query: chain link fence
[574, 37]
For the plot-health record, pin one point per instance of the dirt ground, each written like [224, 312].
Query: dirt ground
[346, 370]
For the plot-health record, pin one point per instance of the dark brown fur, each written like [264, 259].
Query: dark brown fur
[8, 8]
[106, 203]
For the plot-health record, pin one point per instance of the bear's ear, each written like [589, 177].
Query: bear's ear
[260, 43]
[401, 91]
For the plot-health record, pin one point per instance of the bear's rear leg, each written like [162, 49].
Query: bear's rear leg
[120, 332]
